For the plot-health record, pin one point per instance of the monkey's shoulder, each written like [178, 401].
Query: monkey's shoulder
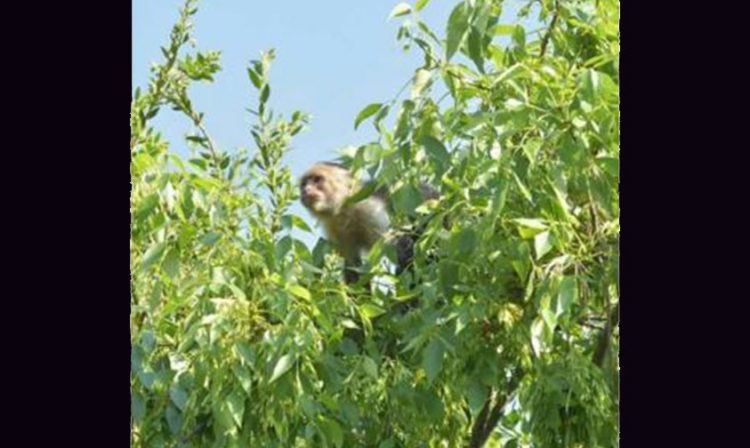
[372, 214]
[360, 225]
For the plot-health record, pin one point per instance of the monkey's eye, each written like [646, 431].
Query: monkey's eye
[316, 179]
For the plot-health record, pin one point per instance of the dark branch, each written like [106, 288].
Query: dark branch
[605, 337]
[548, 34]
[477, 429]
[486, 422]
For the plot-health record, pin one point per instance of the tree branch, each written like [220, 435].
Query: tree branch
[478, 428]
[488, 418]
[605, 337]
[178, 37]
[198, 123]
[548, 34]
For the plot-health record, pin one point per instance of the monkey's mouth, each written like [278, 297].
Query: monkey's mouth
[310, 199]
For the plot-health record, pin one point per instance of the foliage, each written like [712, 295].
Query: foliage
[506, 329]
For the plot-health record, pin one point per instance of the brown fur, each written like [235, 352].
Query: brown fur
[352, 228]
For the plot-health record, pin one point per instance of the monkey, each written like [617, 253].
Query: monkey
[353, 228]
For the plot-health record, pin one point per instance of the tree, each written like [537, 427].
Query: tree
[243, 336]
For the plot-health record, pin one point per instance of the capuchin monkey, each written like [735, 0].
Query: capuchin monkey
[353, 228]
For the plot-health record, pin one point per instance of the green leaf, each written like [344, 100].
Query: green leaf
[152, 255]
[218, 275]
[348, 347]
[528, 228]
[448, 277]
[254, 78]
[178, 396]
[513, 104]
[244, 377]
[432, 360]
[610, 165]
[537, 335]
[542, 244]
[465, 241]
[567, 295]
[146, 206]
[437, 153]
[421, 4]
[283, 246]
[148, 341]
[388, 443]
[198, 139]
[421, 80]
[210, 238]
[282, 366]
[300, 224]
[476, 395]
[370, 368]
[299, 291]
[364, 193]
[348, 323]
[474, 45]
[171, 263]
[458, 23]
[404, 123]
[400, 10]
[382, 114]
[331, 430]
[351, 413]
[174, 419]
[549, 318]
[265, 93]
[247, 353]
[531, 148]
[370, 310]
[589, 85]
[503, 30]
[237, 292]
[519, 36]
[524, 191]
[369, 110]
[407, 198]
[433, 406]
[308, 406]
[222, 416]
[138, 407]
[236, 406]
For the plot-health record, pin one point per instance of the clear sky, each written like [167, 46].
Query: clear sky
[333, 57]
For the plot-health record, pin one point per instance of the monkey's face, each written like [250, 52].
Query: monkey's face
[323, 189]
[312, 192]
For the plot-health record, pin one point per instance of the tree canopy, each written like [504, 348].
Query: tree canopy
[504, 333]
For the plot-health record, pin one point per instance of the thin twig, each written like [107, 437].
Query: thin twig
[198, 122]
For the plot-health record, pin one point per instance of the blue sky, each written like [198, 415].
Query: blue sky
[333, 57]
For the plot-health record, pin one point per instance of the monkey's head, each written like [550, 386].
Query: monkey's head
[324, 188]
